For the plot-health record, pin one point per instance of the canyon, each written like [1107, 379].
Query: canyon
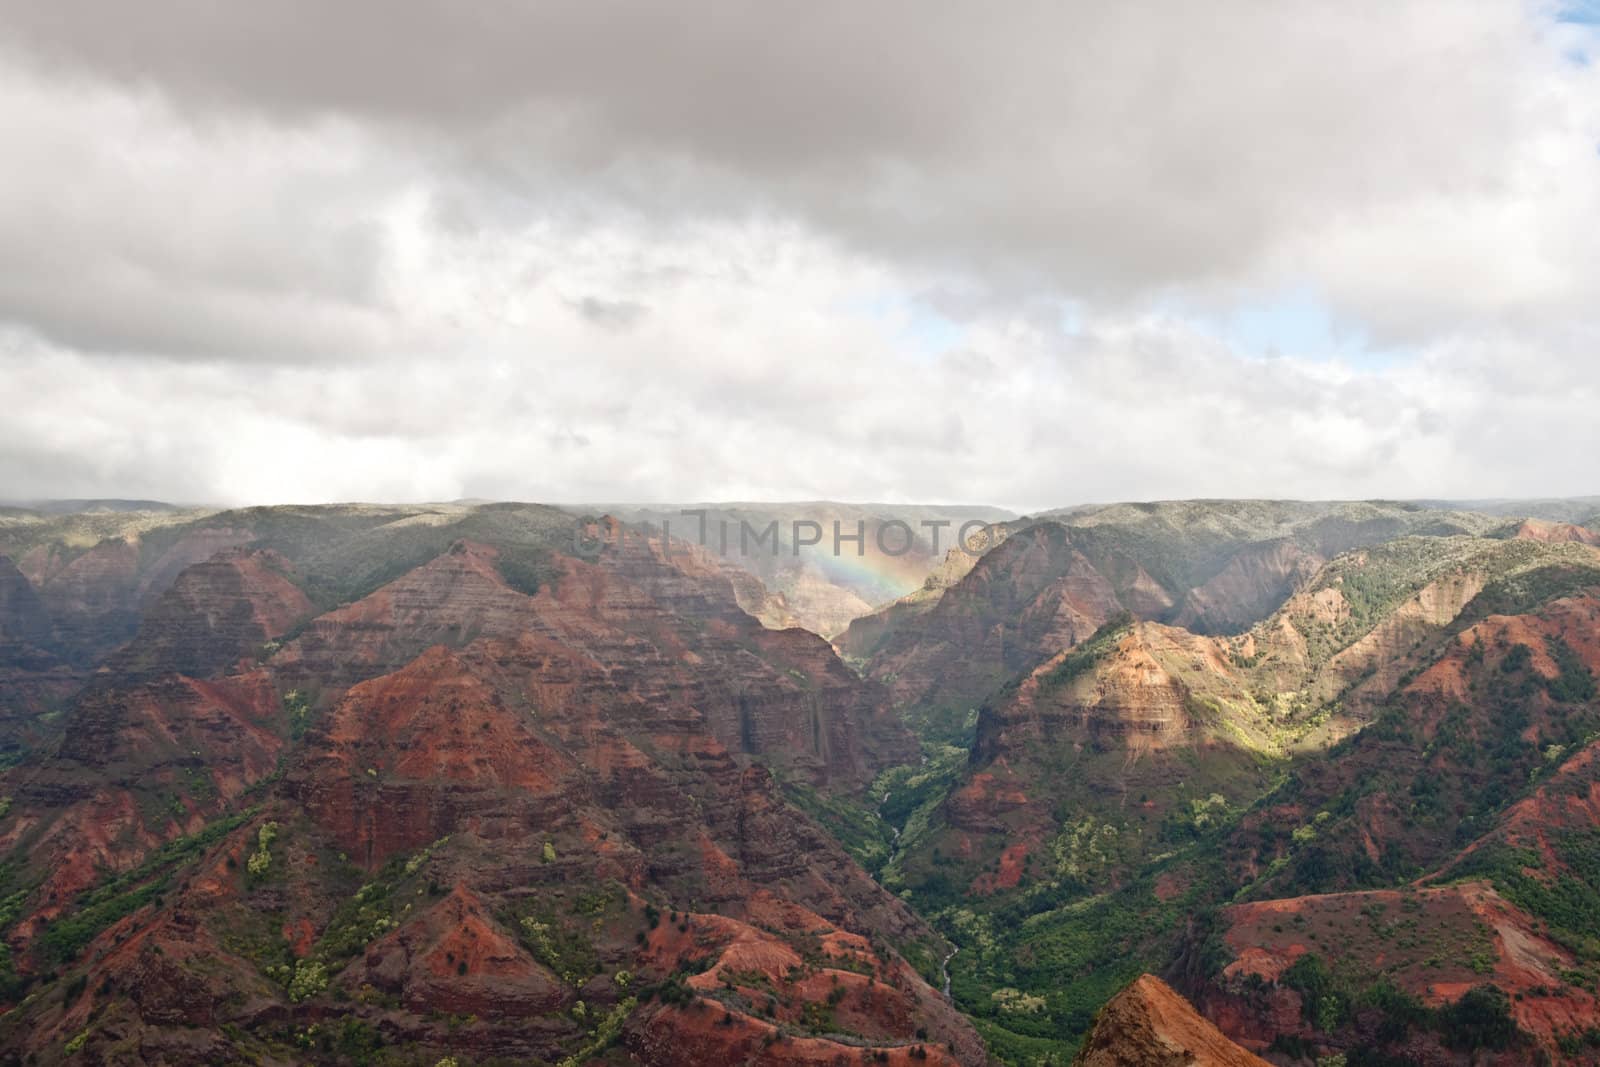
[1234, 781]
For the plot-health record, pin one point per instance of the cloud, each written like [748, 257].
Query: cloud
[610, 314]
[617, 250]
[547, 407]
[124, 229]
[1104, 148]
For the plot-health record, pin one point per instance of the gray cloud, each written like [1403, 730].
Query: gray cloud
[619, 249]
[124, 229]
[1108, 148]
[610, 314]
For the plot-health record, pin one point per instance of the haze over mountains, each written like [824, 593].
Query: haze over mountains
[506, 782]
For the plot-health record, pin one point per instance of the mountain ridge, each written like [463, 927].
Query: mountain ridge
[292, 764]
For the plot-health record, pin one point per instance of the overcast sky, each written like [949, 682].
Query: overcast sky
[1021, 254]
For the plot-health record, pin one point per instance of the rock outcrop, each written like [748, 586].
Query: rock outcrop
[33, 678]
[467, 800]
[667, 628]
[216, 614]
[1033, 595]
[1076, 769]
[1555, 532]
[92, 598]
[23, 619]
[1150, 1025]
[1252, 586]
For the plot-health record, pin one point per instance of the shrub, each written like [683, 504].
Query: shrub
[310, 978]
[1573, 684]
[261, 858]
[1480, 1019]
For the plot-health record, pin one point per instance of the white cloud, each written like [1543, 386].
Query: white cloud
[892, 253]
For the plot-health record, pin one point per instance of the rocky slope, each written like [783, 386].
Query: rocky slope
[790, 548]
[1140, 777]
[1032, 595]
[475, 781]
[1501, 700]
[137, 767]
[95, 597]
[546, 808]
[667, 627]
[1323, 972]
[89, 577]
[216, 614]
[1079, 771]
[23, 619]
[1211, 567]
[1507, 709]
[168, 735]
[1542, 530]
[866, 633]
[92, 597]
[33, 678]
[536, 850]
[1150, 1025]
[1254, 583]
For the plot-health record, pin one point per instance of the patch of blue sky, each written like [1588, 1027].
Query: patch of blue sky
[1296, 324]
[1071, 319]
[1579, 12]
[915, 326]
[1292, 323]
[1584, 15]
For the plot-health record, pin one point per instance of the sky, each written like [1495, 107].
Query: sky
[1028, 255]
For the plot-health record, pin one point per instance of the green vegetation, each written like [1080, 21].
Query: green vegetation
[1566, 898]
[1519, 575]
[561, 933]
[850, 820]
[1085, 917]
[1574, 684]
[64, 938]
[261, 859]
[1532, 576]
[364, 917]
[12, 985]
[527, 568]
[342, 552]
[1323, 1001]
[1331, 1003]
[605, 1034]
[1032, 973]
[943, 724]
[298, 707]
[1480, 1019]
[906, 792]
[1084, 656]
[1117, 856]
[1036, 961]
[1446, 786]
[905, 796]
[310, 978]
